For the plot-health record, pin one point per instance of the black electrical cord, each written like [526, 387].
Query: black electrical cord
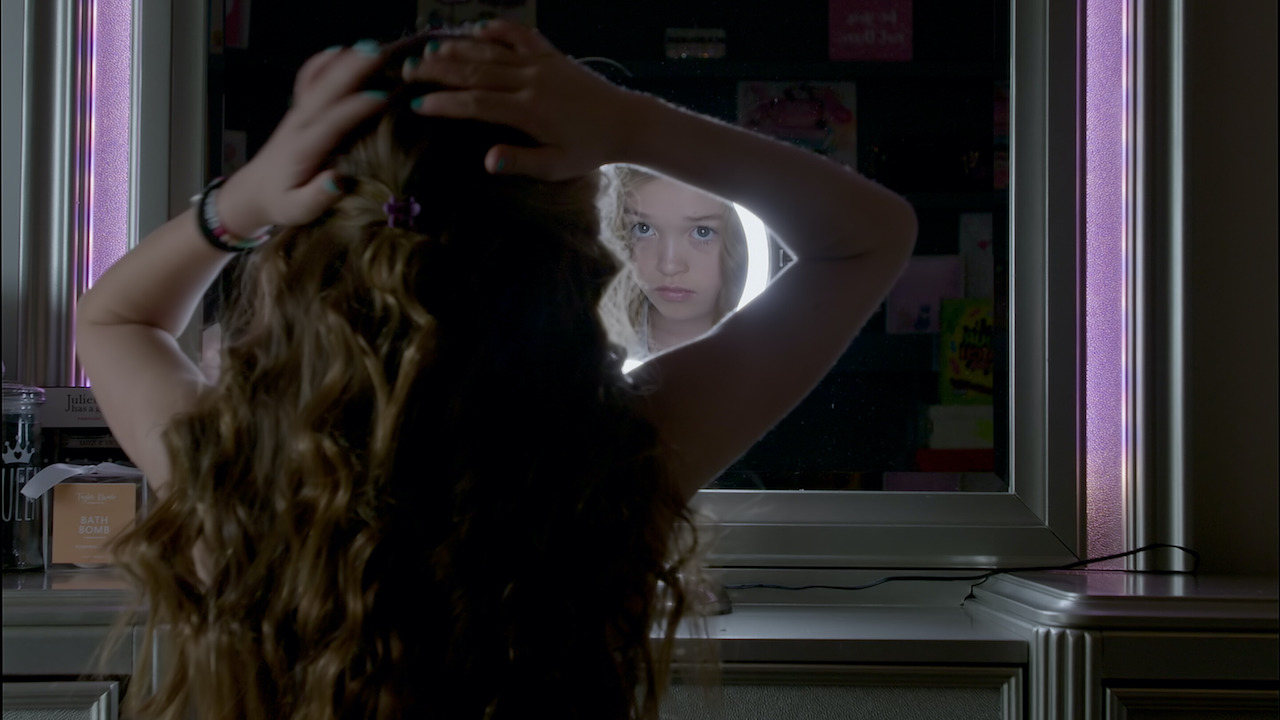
[981, 578]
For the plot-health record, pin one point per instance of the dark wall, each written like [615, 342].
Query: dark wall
[1231, 281]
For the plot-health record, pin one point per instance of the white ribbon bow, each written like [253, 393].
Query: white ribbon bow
[40, 483]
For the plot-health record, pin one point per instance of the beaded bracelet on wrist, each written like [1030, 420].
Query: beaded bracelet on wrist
[212, 229]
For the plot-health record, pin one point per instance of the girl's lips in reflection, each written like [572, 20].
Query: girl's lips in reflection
[673, 293]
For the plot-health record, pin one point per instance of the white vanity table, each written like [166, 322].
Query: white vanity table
[1123, 645]
[1038, 645]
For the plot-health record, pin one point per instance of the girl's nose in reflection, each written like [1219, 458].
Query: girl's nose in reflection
[670, 260]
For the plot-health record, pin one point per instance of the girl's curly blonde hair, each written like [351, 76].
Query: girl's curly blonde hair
[625, 306]
[421, 485]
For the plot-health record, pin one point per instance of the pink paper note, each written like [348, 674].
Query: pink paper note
[870, 30]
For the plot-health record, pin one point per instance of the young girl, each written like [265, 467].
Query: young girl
[421, 485]
[686, 255]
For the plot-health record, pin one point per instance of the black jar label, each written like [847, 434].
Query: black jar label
[20, 537]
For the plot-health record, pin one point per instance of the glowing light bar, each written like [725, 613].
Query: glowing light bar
[1106, 273]
[110, 133]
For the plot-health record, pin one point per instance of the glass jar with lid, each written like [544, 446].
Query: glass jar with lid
[22, 536]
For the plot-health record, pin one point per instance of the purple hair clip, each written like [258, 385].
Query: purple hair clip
[401, 213]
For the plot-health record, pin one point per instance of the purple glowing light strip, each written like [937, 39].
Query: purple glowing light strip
[110, 129]
[1106, 111]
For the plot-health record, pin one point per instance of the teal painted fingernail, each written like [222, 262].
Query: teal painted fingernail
[333, 48]
[433, 46]
[502, 164]
[416, 103]
[480, 24]
[332, 186]
[367, 47]
[376, 94]
[412, 62]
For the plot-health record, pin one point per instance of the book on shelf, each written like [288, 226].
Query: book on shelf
[74, 430]
[966, 364]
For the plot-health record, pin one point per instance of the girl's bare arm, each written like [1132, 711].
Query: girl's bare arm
[126, 338]
[851, 238]
[127, 324]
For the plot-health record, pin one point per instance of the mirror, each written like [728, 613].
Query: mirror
[913, 93]
[691, 260]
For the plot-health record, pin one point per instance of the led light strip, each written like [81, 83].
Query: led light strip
[110, 125]
[1106, 273]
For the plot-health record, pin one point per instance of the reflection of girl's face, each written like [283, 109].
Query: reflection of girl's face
[676, 233]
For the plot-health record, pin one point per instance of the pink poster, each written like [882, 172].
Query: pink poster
[820, 116]
[870, 29]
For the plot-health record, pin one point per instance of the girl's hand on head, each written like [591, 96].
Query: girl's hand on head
[511, 75]
[286, 182]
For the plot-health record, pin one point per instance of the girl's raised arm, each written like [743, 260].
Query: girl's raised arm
[851, 238]
[127, 324]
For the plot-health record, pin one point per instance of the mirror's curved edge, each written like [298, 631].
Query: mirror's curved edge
[758, 275]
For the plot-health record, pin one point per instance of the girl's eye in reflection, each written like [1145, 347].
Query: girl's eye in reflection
[704, 233]
[642, 230]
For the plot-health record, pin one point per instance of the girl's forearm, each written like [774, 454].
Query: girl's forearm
[819, 208]
[159, 283]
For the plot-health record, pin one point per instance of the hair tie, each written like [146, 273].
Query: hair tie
[401, 213]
